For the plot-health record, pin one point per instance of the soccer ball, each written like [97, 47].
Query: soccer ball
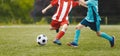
[42, 39]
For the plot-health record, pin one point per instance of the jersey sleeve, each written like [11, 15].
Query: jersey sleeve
[75, 3]
[54, 2]
[90, 3]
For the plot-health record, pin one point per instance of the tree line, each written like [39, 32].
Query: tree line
[29, 11]
[16, 11]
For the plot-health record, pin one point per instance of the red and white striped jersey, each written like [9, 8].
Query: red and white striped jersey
[63, 9]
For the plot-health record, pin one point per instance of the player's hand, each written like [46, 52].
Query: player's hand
[43, 11]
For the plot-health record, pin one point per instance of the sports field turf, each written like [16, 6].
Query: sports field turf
[20, 40]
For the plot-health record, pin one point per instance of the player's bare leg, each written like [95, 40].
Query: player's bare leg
[52, 28]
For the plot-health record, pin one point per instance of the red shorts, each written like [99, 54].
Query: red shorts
[56, 25]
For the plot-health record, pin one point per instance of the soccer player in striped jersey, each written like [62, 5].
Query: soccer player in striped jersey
[92, 20]
[60, 18]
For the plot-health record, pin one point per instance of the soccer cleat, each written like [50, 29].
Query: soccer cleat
[112, 42]
[57, 30]
[72, 44]
[57, 42]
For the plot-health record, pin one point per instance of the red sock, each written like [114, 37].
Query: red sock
[60, 34]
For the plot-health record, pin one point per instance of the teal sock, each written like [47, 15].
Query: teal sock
[106, 36]
[76, 37]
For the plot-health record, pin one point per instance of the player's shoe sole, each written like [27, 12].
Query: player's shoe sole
[57, 42]
[112, 43]
[72, 44]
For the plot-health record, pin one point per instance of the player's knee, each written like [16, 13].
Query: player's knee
[78, 27]
[98, 34]
[52, 28]
[64, 29]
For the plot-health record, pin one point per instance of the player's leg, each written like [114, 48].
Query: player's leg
[77, 32]
[74, 43]
[60, 34]
[82, 24]
[62, 31]
[96, 28]
[111, 39]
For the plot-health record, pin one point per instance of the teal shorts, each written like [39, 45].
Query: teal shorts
[95, 26]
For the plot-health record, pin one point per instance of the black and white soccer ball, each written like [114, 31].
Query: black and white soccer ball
[42, 39]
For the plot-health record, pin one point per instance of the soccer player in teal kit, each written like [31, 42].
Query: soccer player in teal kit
[92, 20]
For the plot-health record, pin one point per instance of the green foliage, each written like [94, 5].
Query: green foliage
[21, 41]
[17, 10]
[42, 21]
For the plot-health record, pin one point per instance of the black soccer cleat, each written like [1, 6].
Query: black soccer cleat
[57, 30]
[112, 43]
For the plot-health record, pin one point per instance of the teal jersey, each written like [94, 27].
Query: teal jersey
[92, 13]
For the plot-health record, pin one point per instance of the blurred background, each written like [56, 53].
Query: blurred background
[29, 12]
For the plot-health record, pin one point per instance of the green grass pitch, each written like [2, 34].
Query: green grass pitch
[20, 40]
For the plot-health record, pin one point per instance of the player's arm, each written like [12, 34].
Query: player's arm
[53, 3]
[48, 7]
[83, 3]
